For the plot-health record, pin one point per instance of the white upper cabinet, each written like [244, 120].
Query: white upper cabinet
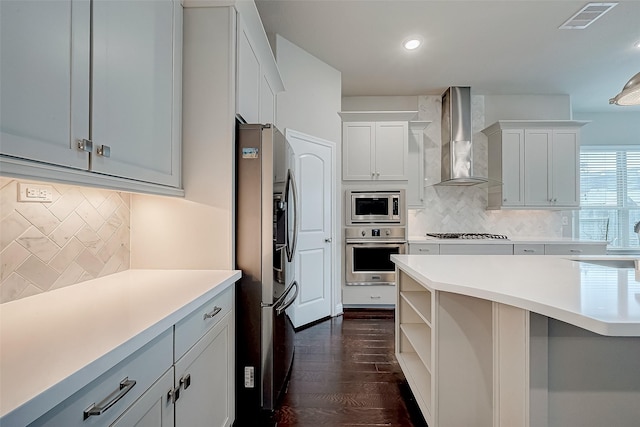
[136, 86]
[258, 79]
[94, 86]
[375, 145]
[536, 163]
[415, 186]
[248, 90]
[44, 76]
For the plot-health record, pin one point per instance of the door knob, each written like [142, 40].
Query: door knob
[327, 240]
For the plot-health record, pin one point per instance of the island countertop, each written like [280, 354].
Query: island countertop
[598, 298]
[53, 344]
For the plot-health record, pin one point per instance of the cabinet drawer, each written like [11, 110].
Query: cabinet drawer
[574, 249]
[369, 295]
[144, 367]
[194, 326]
[535, 249]
[476, 249]
[424, 249]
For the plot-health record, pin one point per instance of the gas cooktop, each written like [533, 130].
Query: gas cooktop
[468, 236]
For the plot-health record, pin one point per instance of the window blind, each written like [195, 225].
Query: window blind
[610, 194]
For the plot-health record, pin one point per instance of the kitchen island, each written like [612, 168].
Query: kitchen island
[519, 340]
[55, 345]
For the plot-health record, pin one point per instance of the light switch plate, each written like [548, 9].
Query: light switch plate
[28, 192]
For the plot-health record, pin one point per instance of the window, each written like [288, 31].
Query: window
[610, 195]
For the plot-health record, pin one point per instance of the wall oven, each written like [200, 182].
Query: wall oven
[368, 252]
[375, 207]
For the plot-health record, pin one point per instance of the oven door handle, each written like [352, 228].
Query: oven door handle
[286, 304]
[381, 243]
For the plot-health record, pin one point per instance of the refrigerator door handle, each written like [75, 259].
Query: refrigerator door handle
[287, 304]
[291, 245]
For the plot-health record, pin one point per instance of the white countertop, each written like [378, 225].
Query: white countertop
[601, 299]
[510, 241]
[54, 343]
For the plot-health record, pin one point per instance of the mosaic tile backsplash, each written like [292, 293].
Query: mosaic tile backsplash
[82, 234]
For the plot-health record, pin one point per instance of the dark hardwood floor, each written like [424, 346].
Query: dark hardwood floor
[345, 374]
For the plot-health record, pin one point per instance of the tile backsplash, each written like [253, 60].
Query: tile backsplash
[463, 209]
[83, 233]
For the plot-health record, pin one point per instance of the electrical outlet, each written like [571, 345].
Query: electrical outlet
[249, 377]
[29, 192]
[565, 220]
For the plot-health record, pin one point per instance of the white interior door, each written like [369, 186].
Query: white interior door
[315, 250]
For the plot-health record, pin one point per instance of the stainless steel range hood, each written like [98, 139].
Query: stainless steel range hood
[457, 144]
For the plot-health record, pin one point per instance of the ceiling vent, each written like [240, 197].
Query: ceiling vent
[587, 16]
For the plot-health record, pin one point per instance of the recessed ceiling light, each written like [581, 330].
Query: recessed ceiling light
[412, 43]
[637, 44]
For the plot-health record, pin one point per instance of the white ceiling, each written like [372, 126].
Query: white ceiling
[496, 47]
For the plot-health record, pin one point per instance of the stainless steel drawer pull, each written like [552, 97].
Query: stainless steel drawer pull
[85, 145]
[104, 150]
[125, 386]
[529, 250]
[424, 250]
[575, 251]
[185, 381]
[215, 311]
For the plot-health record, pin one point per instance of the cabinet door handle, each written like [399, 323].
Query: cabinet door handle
[375, 297]
[575, 251]
[185, 381]
[529, 250]
[104, 151]
[212, 314]
[424, 250]
[173, 395]
[85, 145]
[125, 387]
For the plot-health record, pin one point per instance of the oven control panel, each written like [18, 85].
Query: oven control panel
[375, 233]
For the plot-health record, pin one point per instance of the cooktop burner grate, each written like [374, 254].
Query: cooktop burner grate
[469, 236]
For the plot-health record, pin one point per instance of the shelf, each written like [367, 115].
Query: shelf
[420, 301]
[419, 380]
[419, 337]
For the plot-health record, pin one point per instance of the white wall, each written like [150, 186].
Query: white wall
[312, 97]
[619, 128]
[529, 107]
[197, 232]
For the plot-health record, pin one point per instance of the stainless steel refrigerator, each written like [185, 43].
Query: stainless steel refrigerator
[266, 232]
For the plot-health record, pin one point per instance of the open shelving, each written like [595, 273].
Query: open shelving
[414, 337]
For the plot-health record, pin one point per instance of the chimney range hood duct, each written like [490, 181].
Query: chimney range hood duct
[457, 147]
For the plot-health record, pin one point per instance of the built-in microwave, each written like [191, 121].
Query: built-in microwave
[375, 207]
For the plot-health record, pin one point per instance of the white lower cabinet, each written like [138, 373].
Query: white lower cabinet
[204, 376]
[191, 385]
[103, 400]
[368, 295]
[153, 409]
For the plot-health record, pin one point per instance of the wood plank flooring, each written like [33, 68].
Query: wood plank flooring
[345, 374]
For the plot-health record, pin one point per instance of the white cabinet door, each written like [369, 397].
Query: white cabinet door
[375, 151]
[44, 75]
[391, 150]
[512, 168]
[136, 84]
[565, 170]
[248, 77]
[537, 154]
[267, 102]
[358, 157]
[206, 378]
[415, 167]
[153, 409]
